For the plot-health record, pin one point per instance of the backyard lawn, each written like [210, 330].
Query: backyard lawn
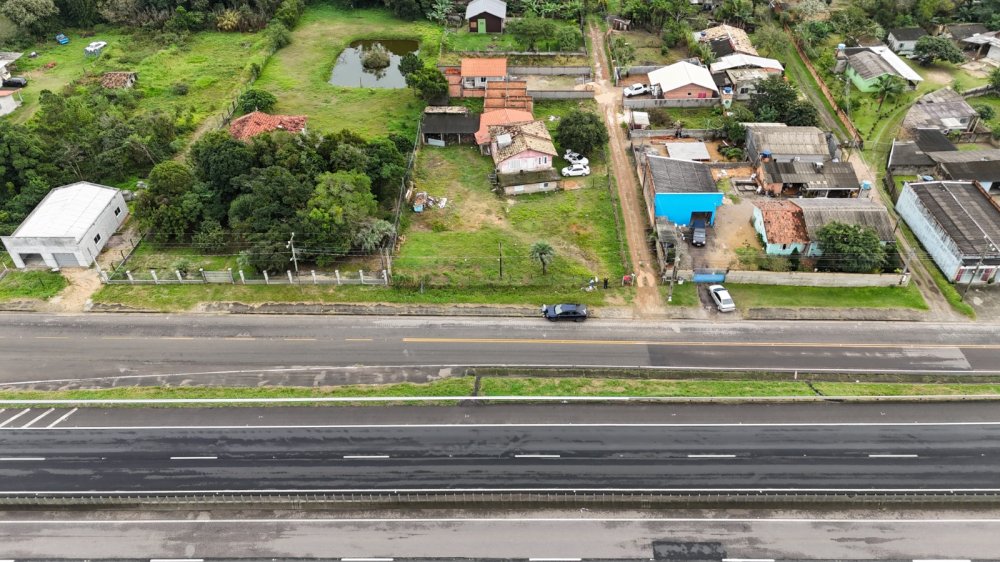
[761, 296]
[299, 74]
[213, 65]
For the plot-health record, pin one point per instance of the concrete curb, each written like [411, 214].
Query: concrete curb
[21, 306]
[366, 309]
[865, 314]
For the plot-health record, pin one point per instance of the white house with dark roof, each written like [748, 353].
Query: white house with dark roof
[903, 40]
[69, 228]
[959, 226]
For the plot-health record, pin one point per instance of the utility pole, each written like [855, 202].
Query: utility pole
[295, 257]
[972, 280]
[501, 259]
[673, 278]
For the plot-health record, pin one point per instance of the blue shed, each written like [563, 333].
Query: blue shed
[679, 190]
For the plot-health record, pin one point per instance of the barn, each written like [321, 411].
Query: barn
[486, 16]
[69, 228]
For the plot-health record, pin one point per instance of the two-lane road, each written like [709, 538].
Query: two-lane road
[208, 348]
[778, 457]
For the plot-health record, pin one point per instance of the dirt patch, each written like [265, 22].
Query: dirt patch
[572, 184]
[83, 283]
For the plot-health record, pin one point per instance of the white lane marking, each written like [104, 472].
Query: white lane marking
[62, 418]
[354, 457]
[15, 417]
[554, 559]
[711, 456]
[366, 560]
[922, 491]
[32, 422]
[537, 456]
[533, 425]
[495, 520]
[891, 456]
[22, 459]
[193, 458]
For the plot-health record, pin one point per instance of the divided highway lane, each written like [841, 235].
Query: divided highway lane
[70, 348]
[790, 458]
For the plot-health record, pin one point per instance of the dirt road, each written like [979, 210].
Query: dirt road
[648, 300]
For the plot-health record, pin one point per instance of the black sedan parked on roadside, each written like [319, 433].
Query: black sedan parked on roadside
[575, 312]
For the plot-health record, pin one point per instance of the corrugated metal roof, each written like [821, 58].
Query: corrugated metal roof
[818, 212]
[965, 212]
[740, 60]
[907, 33]
[67, 212]
[688, 150]
[907, 153]
[812, 175]
[789, 140]
[671, 175]
[444, 123]
[496, 7]
[868, 65]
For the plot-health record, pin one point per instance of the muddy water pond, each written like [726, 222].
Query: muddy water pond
[349, 72]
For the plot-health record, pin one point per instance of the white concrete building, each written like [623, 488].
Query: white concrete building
[69, 228]
[9, 101]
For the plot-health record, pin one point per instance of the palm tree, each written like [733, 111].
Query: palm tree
[888, 85]
[543, 252]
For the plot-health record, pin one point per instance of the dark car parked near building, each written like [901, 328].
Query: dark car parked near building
[699, 232]
[15, 82]
[575, 312]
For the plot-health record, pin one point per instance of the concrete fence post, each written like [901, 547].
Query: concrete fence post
[179, 276]
[385, 277]
[313, 271]
[242, 278]
[290, 280]
[156, 280]
[231, 280]
[337, 273]
[129, 275]
[267, 280]
[201, 270]
[361, 273]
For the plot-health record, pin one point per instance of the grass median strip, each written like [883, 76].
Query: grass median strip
[528, 387]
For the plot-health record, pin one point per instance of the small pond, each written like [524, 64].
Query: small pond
[350, 73]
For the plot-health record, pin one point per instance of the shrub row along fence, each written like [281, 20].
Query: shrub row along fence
[227, 277]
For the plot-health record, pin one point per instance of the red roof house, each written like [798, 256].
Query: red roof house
[257, 122]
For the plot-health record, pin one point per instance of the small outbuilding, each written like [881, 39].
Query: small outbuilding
[486, 16]
[679, 190]
[903, 40]
[443, 125]
[69, 228]
[10, 100]
[691, 151]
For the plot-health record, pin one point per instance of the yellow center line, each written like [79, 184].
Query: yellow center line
[697, 343]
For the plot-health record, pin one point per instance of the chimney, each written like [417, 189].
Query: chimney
[504, 140]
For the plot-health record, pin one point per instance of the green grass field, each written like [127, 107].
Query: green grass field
[762, 296]
[298, 74]
[41, 285]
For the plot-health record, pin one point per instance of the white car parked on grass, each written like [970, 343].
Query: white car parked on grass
[576, 170]
[575, 158]
[635, 90]
[721, 298]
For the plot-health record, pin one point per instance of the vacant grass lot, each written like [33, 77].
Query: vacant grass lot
[760, 296]
[299, 74]
[684, 294]
[213, 65]
[41, 285]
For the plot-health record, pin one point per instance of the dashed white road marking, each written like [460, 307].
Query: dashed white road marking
[193, 458]
[62, 418]
[537, 456]
[32, 422]
[711, 456]
[356, 457]
[890, 456]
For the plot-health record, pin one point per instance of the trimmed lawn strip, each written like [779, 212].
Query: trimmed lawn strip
[298, 75]
[460, 387]
[684, 294]
[179, 298]
[31, 285]
[947, 289]
[785, 296]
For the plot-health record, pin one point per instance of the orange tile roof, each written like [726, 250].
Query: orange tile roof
[783, 222]
[484, 67]
[118, 80]
[500, 117]
[257, 122]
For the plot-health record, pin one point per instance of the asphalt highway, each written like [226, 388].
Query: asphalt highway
[791, 458]
[216, 348]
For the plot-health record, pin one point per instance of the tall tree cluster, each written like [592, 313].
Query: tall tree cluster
[251, 197]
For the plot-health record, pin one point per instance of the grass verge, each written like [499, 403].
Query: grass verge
[684, 294]
[511, 386]
[762, 296]
[31, 285]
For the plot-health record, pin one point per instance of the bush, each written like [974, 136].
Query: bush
[256, 100]
[986, 112]
[210, 236]
[179, 89]
[375, 58]
[183, 265]
[278, 35]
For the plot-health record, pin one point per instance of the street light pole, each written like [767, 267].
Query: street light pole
[295, 257]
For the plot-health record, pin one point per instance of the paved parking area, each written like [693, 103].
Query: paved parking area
[985, 300]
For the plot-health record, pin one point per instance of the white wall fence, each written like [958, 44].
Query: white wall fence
[703, 134]
[228, 277]
[549, 70]
[561, 94]
[693, 102]
[813, 279]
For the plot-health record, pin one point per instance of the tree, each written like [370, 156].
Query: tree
[27, 13]
[582, 131]
[568, 38]
[256, 100]
[811, 10]
[888, 86]
[439, 10]
[773, 99]
[266, 214]
[168, 208]
[986, 112]
[410, 63]
[428, 83]
[217, 159]
[386, 166]
[736, 11]
[543, 253]
[994, 80]
[372, 234]
[528, 31]
[339, 205]
[854, 24]
[850, 248]
[771, 40]
[931, 48]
